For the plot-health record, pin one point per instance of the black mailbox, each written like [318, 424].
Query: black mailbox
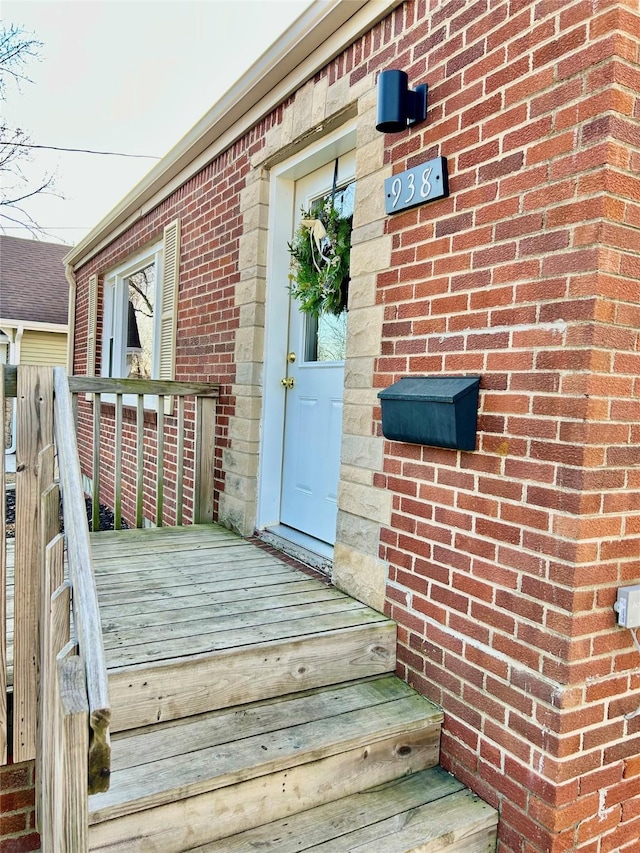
[438, 410]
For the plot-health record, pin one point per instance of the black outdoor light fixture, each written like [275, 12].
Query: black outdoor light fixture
[399, 107]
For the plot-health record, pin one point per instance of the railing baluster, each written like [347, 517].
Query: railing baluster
[95, 515]
[74, 409]
[53, 579]
[139, 459]
[180, 460]
[205, 459]
[159, 460]
[56, 635]
[49, 530]
[117, 509]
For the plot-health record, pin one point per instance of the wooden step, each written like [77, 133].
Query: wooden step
[427, 812]
[178, 785]
[181, 687]
[239, 651]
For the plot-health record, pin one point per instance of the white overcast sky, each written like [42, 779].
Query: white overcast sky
[131, 76]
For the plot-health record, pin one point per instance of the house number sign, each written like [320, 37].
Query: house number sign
[423, 183]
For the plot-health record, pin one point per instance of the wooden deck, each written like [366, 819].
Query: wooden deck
[226, 618]
[169, 593]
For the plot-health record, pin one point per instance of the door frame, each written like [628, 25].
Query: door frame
[281, 214]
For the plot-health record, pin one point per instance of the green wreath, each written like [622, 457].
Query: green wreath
[320, 252]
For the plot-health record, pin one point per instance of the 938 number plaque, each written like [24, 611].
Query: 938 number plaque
[423, 183]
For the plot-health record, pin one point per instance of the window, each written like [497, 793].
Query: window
[140, 314]
[131, 324]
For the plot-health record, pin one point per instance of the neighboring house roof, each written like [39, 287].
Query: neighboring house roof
[323, 30]
[33, 285]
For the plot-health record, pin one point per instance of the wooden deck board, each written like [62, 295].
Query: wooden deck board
[179, 576]
[181, 610]
[203, 560]
[193, 598]
[174, 629]
[249, 635]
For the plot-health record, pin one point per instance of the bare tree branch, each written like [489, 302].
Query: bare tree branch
[17, 182]
[16, 49]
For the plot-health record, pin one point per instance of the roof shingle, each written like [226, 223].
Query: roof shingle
[33, 286]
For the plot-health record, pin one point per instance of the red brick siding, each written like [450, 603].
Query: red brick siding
[504, 562]
[211, 225]
[17, 809]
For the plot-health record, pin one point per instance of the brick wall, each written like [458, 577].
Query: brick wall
[211, 225]
[17, 809]
[504, 562]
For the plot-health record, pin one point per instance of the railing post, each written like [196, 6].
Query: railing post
[73, 795]
[34, 432]
[204, 470]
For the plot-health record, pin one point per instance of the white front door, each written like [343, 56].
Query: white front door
[315, 370]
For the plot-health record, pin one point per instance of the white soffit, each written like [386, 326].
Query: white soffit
[323, 31]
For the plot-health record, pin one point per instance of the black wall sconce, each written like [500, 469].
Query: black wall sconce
[399, 106]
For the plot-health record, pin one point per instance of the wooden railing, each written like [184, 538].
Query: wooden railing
[48, 407]
[61, 705]
[157, 421]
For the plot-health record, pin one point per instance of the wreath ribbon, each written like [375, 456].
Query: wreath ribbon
[317, 233]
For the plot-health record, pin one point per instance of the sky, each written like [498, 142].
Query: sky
[129, 76]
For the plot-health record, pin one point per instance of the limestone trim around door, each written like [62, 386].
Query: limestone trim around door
[362, 507]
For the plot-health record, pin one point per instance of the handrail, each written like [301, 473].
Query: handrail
[85, 598]
[103, 385]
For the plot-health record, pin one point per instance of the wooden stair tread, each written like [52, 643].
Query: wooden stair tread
[158, 691]
[169, 762]
[426, 812]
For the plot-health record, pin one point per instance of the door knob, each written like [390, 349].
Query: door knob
[288, 382]
[291, 357]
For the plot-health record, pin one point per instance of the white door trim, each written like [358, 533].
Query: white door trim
[281, 213]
